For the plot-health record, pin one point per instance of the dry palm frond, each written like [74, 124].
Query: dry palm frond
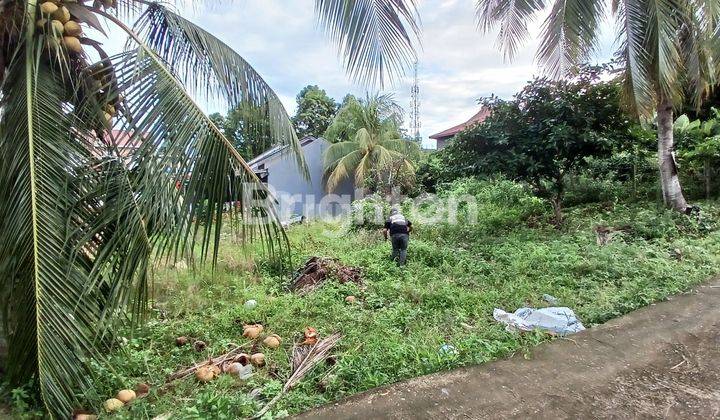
[304, 359]
[317, 269]
[216, 361]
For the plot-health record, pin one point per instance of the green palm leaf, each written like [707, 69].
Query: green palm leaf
[374, 144]
[512, 17]
[634, 55]
[570, 34]
[48, 312]
[376, 37]
[209, 67]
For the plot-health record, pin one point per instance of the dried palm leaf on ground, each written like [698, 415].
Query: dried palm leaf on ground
[303, 360]
[317, 270]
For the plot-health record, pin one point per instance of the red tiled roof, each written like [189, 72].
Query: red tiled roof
[451, 132]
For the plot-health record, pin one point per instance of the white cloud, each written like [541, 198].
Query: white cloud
[458, 65]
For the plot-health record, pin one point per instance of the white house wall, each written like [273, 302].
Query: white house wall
[298, 196]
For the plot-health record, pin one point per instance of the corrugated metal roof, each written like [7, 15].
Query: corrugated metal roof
[276, 150]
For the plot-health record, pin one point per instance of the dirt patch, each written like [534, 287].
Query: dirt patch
[317, 270]
[662, 361]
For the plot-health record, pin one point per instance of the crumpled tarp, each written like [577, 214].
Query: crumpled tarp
[555, 320]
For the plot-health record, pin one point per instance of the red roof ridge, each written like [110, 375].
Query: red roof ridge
[475, 119]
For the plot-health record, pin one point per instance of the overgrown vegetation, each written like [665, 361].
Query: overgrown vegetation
[547, 132]
[456, 274]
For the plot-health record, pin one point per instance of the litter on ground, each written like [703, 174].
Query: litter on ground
[554, 320]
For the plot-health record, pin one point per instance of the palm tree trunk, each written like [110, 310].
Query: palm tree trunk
[672, 191]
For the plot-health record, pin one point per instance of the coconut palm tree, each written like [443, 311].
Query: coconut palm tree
[366, 138]
[668, 50]
[106, 164]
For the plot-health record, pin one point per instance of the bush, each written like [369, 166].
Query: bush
[483, 207]
[369, 212]
[583, 189]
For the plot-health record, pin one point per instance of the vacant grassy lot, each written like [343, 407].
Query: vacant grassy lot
[402, 317]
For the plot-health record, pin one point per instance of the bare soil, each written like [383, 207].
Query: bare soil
[662, 361]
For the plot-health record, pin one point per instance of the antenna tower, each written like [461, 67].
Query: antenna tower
[415, 107]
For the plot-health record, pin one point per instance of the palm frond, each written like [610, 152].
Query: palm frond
[179, 140]
[570, 35]
[663, 31]
[512, 17]
[635, 57]
[376, 38]
[337, 151]
[402, 146]
[362, 171]
[49, 315]
[364, 139]
[341, 170]
[210, 67]
[185, 158]
[697, 41]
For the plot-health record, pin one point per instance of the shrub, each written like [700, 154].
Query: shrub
[584, 189]
[369, 212]
[483, 206]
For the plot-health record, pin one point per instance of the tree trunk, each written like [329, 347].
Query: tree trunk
[669, 180]
[557, 211]
[708, 177]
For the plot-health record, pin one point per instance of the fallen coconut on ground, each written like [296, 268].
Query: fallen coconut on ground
[272, 341]
[181, 341]
[243, 359]
[350, 299]
[199, 345]
[252, 331]
[215, 369]
[142, 389]
[204, 374]
[258, 359]
[233, 368]
[112, 405]
[126, 395]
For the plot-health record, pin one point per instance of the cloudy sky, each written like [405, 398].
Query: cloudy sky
[457, 64]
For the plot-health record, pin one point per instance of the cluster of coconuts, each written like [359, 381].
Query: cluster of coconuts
[123, 397]
[211, 371]
[55, 19]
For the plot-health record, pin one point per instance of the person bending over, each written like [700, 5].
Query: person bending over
[398, 228]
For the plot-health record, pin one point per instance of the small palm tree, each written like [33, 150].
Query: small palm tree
[366, 138]
[669, 50]
[82, 214]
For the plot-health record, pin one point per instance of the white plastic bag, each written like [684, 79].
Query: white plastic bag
[556, 320]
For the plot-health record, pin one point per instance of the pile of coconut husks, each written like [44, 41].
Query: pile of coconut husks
[319, 269]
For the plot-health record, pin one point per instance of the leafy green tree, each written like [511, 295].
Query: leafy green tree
[669, 50]
[315, 112]
[247, 127]
[546, 132]
[107, 164]
[367, 140]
